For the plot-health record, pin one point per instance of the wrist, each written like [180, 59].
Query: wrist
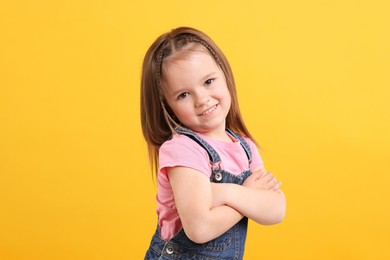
[231, 191]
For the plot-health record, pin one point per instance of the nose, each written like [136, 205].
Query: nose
[201, 99]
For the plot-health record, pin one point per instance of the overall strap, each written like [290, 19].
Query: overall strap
[243, 143]
[213, 155]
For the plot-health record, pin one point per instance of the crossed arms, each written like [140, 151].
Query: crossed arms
[207, 210]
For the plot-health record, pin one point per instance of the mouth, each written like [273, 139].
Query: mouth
[208, 111]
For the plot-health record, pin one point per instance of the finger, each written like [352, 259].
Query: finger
[260, 172]
[266, 177]
[276, 187]
[255, 175]
[272, 183]
[272, 180]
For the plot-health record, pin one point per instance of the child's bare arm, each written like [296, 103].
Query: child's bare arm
[259, 198]
[203, 218]
[260, 179]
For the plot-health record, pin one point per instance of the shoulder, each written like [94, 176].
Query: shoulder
[252, 146]
[181, 150]
[180, 143]
[256, 157]
[249, 142]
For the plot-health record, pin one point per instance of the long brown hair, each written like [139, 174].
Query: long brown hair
[156, 117]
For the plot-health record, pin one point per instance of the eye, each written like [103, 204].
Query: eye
[208, 82]
[182, 95]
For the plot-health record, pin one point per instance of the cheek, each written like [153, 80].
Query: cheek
[228, 98]
[181, 112]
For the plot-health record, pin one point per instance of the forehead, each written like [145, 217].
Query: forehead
[190, 53]
[189, 67]
[190, 57]
[185, 52]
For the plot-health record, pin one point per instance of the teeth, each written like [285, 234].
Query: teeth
[209, 110]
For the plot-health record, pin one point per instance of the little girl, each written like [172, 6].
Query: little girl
[210, 176]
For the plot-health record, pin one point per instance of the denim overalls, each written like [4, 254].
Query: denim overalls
[229, 245]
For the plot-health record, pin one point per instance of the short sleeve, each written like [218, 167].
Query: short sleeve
[257, 161]
[180, 150]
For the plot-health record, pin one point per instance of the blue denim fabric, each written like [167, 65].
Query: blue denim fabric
[229, 245]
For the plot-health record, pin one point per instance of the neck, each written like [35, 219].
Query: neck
[218, 135]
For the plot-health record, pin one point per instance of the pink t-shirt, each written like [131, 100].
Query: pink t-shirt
[183, 151]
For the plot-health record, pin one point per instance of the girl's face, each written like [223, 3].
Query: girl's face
[195, 89]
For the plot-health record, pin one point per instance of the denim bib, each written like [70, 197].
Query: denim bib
[230, 245]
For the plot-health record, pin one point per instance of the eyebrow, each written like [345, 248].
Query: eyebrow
[209, 75]
[176, 93]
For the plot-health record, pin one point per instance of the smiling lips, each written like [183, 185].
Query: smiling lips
[211, 109]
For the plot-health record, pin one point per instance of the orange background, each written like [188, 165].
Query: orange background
[313, 83]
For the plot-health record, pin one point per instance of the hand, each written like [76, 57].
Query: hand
[260, 179]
